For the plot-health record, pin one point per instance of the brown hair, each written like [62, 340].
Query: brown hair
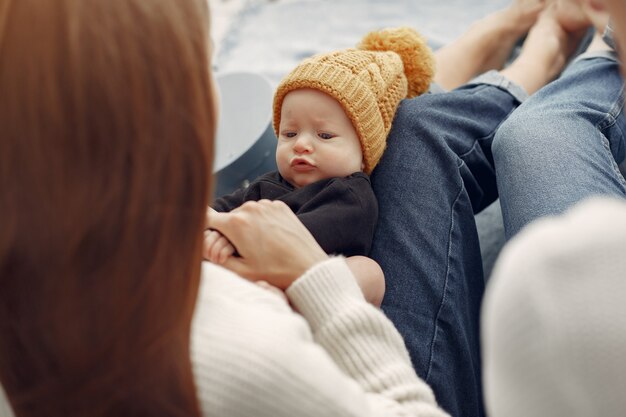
[106, 148]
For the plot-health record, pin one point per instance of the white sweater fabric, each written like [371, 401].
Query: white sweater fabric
[254, 357]
[554, 317]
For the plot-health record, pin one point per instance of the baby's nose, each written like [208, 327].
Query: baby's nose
[303, 143]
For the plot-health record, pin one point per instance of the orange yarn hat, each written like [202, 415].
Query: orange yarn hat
[369, 82]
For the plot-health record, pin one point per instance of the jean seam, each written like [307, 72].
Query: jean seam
[445, 285]
[477, 142]
[612, 114]
[607, 147]
[609, 120]
[472, 148]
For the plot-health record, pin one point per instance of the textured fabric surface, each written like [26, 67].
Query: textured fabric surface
[554, 328]
[368, 82]
[341, 357]
[254, 357]
[340, 213]
[426, 242]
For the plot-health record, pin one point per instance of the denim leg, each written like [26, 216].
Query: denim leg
[562, 144]
[436, 172]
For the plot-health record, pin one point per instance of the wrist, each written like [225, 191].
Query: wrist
[322, 291]
[300, 266]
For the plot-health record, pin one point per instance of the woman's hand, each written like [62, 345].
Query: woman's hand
[272, 242]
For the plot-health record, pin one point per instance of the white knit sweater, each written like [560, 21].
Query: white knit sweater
[254, 357]
[554, 317]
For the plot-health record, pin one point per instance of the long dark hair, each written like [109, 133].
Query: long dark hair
[106, 148]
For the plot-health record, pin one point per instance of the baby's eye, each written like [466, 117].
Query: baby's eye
[289, 134]
[325, 136]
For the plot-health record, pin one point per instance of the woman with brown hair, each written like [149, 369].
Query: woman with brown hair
[107, 125]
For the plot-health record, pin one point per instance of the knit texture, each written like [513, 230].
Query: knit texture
[254, 357]
[553, 319]
[369, 82]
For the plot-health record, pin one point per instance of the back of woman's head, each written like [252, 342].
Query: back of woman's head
[106, 130]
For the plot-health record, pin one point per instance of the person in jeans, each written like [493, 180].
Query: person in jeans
[564, 144]
[553, 316]
[426, 241]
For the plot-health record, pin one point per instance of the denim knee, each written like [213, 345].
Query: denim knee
[549, 155]
[518, 137]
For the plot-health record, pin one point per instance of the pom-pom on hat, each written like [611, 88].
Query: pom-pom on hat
[369, 82]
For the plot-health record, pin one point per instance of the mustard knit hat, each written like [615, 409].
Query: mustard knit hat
[369, 82]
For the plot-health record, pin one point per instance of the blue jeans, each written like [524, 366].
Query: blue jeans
[562, 144]
[436, 172]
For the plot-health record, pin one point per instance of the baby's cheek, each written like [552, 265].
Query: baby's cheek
[281, 161]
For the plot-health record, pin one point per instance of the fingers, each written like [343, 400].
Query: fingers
[272, 242]
[252, 218]
[209, 211]
[216, 247]
[228, 224]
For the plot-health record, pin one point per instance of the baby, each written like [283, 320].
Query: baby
[332, 115]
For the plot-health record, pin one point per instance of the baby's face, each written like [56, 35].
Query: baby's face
[316, 139]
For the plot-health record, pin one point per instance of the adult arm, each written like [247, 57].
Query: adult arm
[357, 362]
[362, 342]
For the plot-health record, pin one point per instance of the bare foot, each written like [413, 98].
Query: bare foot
[545, 52]
[511, 23]
[487, 44]
[576, 16]
[597, 13]
[524, 13]
[571, 15]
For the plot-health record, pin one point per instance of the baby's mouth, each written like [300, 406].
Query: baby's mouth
[302, 164]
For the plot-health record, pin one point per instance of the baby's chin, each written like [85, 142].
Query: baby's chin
[303, 183]
[299, 181]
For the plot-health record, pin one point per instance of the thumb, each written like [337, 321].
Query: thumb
[225, 223]
[214, 218]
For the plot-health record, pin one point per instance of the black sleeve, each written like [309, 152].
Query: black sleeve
[342, 217]
[229, 202]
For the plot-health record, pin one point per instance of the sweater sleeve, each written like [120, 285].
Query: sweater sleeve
[361, 341]
[343, 216]
[254, 357]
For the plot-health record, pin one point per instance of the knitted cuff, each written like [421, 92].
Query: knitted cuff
[323, 290]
